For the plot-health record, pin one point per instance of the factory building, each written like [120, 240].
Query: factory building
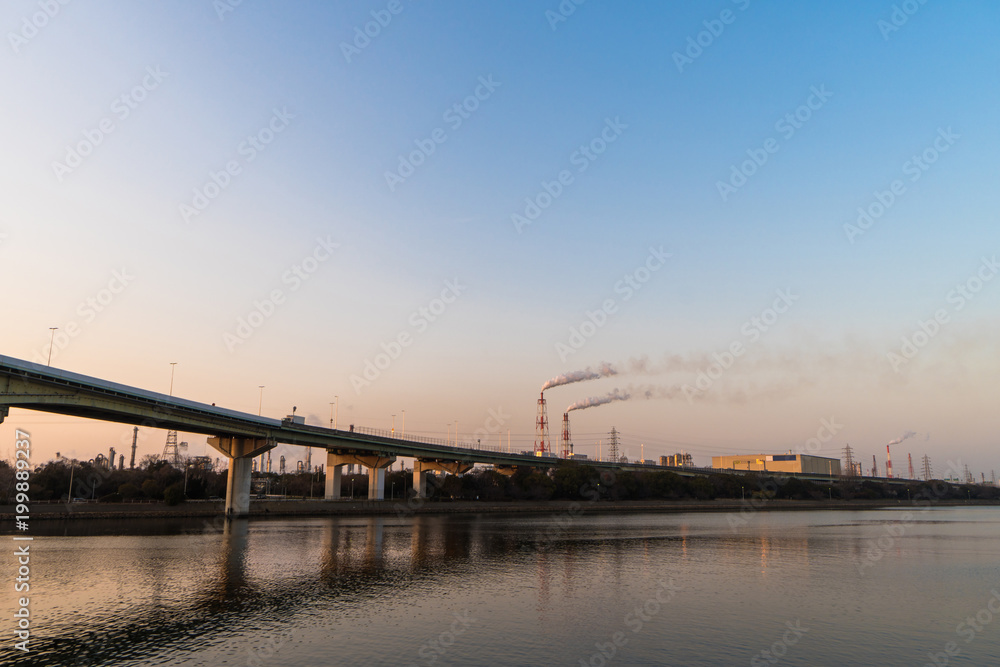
[803, 463]
[678, 460]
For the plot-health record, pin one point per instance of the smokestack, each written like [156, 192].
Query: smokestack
[888, 463]
[567, 442]
[135, 437]
[542, 444]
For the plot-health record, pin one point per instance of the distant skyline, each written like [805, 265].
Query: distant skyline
[766, 218]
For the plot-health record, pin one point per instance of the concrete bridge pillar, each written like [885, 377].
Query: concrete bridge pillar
[240, 452]
[333, 474]
[422, 467]
[376, 464]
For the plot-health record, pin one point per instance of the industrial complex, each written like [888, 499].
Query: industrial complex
[800, 463]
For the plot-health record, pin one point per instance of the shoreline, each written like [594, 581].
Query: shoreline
[406, 508]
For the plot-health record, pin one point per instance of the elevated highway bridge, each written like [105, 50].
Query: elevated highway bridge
[241, 436]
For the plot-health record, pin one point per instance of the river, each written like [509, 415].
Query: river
[885, 587]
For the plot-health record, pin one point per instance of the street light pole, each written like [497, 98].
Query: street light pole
[393, 426]
[260, 409]
[402, 428]
[52, 338]
[173, 365]
[336, 414]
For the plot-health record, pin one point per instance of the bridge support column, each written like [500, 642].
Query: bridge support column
[422, 467]
[238, 487]
[240, 452]
[376, 464]
[376, 483]
[333, 474]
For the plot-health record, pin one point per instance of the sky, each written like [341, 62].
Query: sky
[432, 208]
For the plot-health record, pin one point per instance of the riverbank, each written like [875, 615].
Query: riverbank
[275, 508]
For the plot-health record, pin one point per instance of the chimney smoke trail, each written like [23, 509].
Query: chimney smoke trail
[604, 370]
[594, 401]
[905, 436]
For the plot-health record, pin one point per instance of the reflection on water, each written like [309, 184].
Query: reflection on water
[515, 590]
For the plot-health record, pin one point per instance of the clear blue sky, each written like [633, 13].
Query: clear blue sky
[338, 119]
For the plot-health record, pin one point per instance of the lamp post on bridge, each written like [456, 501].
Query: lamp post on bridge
[52, 338]
[393, 431]
[173, 366]
[260, 409]
[402, 428]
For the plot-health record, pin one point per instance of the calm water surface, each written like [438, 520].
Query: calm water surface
[859, 588]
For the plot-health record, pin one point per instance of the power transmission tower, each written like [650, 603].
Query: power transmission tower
[170, 453]
[613, 445]
[927, 468]
[849, 461]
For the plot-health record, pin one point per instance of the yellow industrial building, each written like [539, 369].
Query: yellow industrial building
[803, 463]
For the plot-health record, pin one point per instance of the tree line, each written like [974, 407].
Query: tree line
[156, 481]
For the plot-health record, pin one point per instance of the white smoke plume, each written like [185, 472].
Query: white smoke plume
[604, 370]
[908, 434]
[594, 401]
